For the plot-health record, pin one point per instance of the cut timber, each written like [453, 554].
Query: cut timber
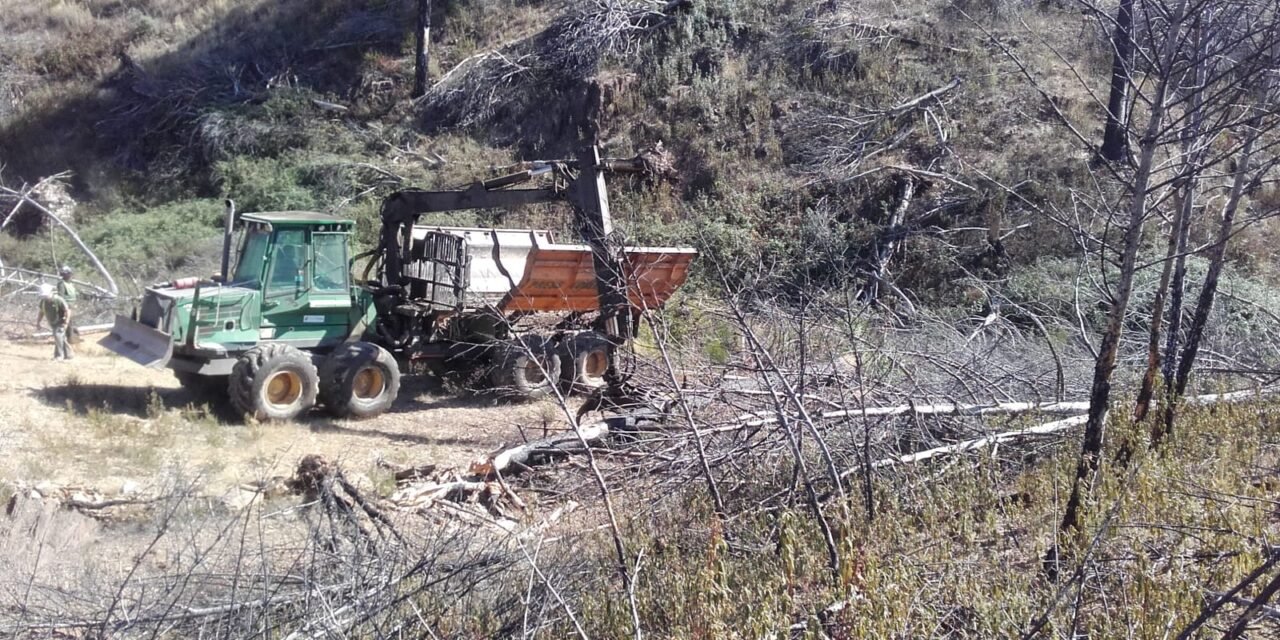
[516, 459]
[1046, 429]
[945, 408]
[424, 494]
[979, 443]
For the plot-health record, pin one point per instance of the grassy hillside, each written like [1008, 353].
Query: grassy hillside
[790, 128]
[766, 109]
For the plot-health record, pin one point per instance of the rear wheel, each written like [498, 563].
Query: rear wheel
[525, 368]
[359, 380]
[584, 359]
[274, 382]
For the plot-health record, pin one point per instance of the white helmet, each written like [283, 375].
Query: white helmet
[46, 290]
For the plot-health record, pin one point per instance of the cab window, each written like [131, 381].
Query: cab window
[331, 269]
[288, 263]
[252, 254]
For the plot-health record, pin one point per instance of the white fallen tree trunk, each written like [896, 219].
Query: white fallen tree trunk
[515, 459]
[1045, 429]
[24, 197]
[946, 408]
[978, 443]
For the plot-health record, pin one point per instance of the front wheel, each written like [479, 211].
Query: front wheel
[359, 380]
[273, 382]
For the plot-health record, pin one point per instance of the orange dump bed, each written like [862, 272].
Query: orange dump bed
[561, 278]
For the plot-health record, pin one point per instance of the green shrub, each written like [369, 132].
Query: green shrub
[264, 184]
[158, 240]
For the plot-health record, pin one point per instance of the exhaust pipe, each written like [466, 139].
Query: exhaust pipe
[229, 227]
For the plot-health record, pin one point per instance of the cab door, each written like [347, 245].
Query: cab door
[306, 296]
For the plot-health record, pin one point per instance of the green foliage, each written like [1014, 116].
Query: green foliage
[264, 184]
[160, 239]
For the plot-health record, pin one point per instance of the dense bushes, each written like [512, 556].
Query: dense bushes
[158, 241]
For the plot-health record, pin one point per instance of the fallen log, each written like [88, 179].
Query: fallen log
[403, 474]
[87, 329]
[424, 494]
[1045, 429]
[750, 420]
[977, 443]
[516, 459]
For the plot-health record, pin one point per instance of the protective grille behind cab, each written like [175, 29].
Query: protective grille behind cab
[437, 271]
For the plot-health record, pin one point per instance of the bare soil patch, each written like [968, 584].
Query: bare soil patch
[102, 421]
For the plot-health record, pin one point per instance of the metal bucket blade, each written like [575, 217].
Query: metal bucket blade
[136, 341]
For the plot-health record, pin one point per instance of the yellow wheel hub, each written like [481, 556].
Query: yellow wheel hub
[595, 364]
[369, 383]
[284, 388]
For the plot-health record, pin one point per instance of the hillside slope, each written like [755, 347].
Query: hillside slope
[766, 109]
[793, 129]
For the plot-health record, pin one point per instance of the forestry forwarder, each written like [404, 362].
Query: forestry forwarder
[288, 328]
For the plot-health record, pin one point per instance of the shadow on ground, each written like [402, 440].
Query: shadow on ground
[81, 398]
[420, 395]
[326, 425]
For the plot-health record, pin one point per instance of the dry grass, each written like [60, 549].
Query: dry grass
[955, 548]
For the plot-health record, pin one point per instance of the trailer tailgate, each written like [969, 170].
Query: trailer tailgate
[561, 278]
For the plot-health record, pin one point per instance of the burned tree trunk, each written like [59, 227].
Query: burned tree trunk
[1104, 366]
[1170, 364]
[1115, 142]
[1180, 220]
[887, 243]
[997, 258]
[1217, 258]
[422, 53]
[1173, 273]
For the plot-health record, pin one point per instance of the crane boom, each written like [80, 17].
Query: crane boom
[580, 182]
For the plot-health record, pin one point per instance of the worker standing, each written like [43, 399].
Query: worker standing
[56, 310]
[67, 291]
[67, 288]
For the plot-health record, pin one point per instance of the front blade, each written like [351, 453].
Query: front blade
[136, 341]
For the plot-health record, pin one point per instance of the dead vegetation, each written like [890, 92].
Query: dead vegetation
[919, 521]
[920, 321]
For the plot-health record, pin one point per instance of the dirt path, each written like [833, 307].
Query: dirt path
[104, 422]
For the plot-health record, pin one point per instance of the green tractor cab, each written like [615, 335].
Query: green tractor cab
[290, 289]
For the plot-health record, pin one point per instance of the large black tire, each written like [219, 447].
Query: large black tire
[525, 368]
[584, 359]
[359, 380]
[273, 382]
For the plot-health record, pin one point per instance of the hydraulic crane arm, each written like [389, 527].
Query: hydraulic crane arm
[581, 185]
[579, 182]
[402, 209]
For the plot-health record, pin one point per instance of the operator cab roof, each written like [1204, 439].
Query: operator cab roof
[296, 219]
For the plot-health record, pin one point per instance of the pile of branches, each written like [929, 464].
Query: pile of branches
[839, 142]
[339, 562]
[536, 69]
